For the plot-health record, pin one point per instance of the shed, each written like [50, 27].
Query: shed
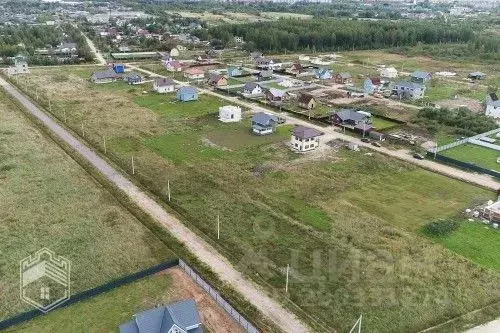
[185, 94]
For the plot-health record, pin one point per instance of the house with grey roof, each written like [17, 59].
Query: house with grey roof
[264, 123]
[133, 78]
[178, 317]
[477, 76]
[252, 88]
[265, 75]
[355, 120]
[305, 138]
[104, 76]
[275, 95]
[164, 85]
[492, 106]
[408, 90]
[421, 77]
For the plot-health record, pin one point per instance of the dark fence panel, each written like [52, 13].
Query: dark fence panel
[463, 165]
[18, 319]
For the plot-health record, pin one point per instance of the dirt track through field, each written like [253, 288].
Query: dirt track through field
[270, 308]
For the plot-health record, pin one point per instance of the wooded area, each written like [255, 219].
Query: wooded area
[336, 35]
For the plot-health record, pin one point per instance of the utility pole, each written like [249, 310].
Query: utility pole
[287, 273]
[105, 150]
[168, 189]
[133, 166]
[218, 226]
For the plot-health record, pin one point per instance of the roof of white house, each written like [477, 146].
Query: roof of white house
[304, 132]
[164, 82]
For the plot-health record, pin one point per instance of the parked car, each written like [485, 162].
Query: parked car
[281, 120]
[418, 156]
[365, 140]
[376, 144]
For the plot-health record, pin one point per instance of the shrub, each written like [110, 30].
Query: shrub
[440, 227]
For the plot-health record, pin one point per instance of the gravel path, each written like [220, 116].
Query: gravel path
[203, 251]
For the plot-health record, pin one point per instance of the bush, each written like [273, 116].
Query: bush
[440, 227]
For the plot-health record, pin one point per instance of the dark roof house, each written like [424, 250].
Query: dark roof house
[175, 317]
[303, 132]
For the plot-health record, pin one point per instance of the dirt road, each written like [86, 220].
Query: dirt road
[473, 178]
[203, 251]
[97, 55]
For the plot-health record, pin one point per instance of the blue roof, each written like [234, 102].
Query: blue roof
[407, 84]
[129, 327]
[420, 75]
[182, 314]
[187, 90]
[265, 119]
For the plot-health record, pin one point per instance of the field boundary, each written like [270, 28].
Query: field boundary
[117, 283]
[90, 293]
[216, 296]
[461, 164]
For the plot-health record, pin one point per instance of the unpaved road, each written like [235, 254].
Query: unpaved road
[469, 177]
[491, 327]
[203, 251]
[97, 55]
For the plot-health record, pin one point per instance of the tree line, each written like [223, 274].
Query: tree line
[327, 34]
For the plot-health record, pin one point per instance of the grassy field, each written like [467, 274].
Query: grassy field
[381, 124]
[348, 223]
[480, 156]
[104, 313]
[478, 242]
[48, 200]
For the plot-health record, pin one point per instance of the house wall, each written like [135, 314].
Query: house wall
[492, 111]
[163, 89]
[304, 144]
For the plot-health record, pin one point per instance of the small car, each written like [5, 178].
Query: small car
[365, 140]
[376, 144]
[418, 156]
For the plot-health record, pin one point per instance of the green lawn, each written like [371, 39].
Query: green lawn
[477, 242]
[381, 124]
[104, 313]
[170, 108]
[347, 222]
[480, 156]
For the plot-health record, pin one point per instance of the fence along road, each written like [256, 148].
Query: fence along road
[270, 308]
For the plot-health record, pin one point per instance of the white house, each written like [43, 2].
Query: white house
[493, 106]
[194, 73]
[388, 72]
[174, 52]
[305, 138]
[229, 113]
[164, 85]
[252, 88]
[20, 67]
[173, 66]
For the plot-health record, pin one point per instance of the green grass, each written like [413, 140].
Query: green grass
[48, 200]
[477, 242]
[381, 124]
[347, 222]
[104, 313]
[480, 156]
[170, 108]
